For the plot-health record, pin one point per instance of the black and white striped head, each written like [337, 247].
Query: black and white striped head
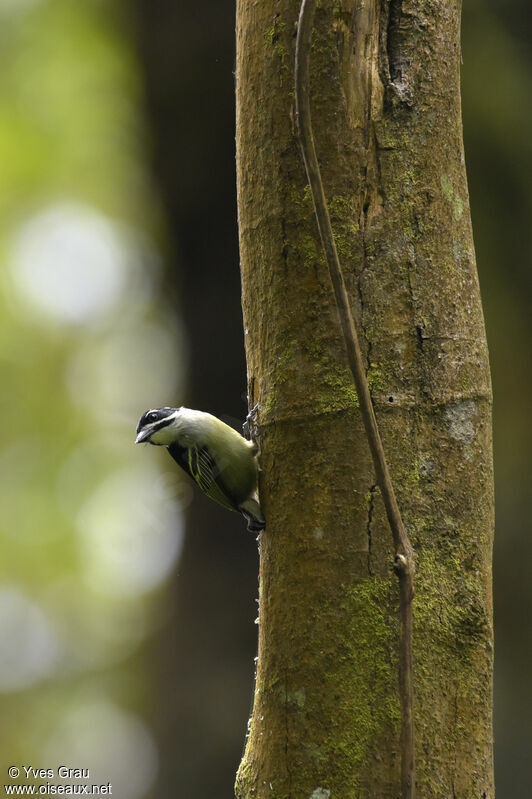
[155, 426]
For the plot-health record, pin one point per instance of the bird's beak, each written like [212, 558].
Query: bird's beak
[143, 435]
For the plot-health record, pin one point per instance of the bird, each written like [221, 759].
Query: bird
[221, 461]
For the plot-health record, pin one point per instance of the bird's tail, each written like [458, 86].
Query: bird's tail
[252, 513]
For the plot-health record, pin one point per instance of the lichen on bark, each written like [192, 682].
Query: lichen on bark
[386, 111]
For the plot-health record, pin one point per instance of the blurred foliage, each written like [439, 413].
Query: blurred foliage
[90, 526]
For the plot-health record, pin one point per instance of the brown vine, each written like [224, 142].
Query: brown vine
[404, 554]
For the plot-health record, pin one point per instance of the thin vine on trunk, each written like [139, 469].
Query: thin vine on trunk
[404, 554]
[384, 89]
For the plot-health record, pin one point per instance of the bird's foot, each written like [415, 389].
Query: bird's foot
[250, 426]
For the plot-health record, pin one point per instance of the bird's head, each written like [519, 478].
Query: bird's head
[156, 426]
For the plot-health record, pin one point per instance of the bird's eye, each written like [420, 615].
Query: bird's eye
[152, 417]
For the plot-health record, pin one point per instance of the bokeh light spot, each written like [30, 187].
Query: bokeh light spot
[70, 262]
[29, 649]
[131, 532]
[113, 744]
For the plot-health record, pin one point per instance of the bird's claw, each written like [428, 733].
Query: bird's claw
[250, 426]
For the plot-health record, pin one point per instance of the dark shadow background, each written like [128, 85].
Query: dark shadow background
[204, 655]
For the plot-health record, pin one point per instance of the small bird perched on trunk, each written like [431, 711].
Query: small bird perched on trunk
[221, 461]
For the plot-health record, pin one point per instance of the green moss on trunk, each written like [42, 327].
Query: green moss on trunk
[386, 110]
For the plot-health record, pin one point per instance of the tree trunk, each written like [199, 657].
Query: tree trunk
[387, 121]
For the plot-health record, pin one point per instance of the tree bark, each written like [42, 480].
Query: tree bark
[386, 111]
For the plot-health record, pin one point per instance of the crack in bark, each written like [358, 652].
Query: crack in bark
[393, 44]
[391, 61]
[284, 250]
[367, 189]
[362, 303]
[363, 224]
[371, 509]
[424, 379]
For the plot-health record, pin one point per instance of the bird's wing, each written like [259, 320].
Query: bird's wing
[201, 466]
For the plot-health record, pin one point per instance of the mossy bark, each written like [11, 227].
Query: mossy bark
[387, 121]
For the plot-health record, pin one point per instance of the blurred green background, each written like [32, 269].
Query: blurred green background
[127, 647]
